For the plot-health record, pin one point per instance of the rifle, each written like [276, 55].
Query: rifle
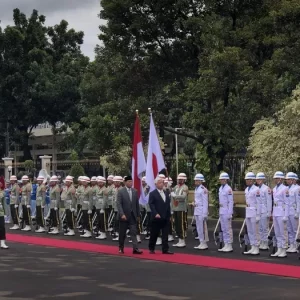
[243, 237]
[218, 235]
[272, 240]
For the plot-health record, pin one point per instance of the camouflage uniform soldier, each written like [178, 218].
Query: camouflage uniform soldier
[79, 195]
[25, 201]
[94, 188]
[109, 204]
[54, 205]
[14, 202]
[117, 185]
[179, 202]
[68, 196]
[101, 203]
[86, 207]
[40, 204]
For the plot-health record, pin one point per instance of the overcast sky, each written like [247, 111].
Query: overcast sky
[80, 14]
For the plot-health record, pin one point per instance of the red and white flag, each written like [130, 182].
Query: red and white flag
[138, 160]
[155, 160]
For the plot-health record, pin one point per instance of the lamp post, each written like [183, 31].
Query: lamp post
[9, 168]
[176, 147]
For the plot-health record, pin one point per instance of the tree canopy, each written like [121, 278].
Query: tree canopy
[40, 72]
[210, 67]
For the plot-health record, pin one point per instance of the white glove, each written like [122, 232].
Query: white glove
[55, 208]
[72, 209]
[229, 217]
[205, 218]
[268, 215]
[296, 216]
[28, 206]
[257, 219]
[43, 207]
[173, 194]
[101, 211]
[172, 212]
[284, 219]
[16, 205]
[89, 212]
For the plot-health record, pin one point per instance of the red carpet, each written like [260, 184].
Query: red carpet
[186, 259]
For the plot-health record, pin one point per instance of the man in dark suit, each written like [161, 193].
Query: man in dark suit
[159, 202]
[129, 212]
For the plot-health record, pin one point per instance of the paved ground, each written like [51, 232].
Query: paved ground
[32, 272]
[292, 259]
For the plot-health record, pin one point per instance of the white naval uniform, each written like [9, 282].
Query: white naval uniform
[225, 212]
[201, 210]
[280, 214]
[265, 211]
[253, 208]
[292, 222]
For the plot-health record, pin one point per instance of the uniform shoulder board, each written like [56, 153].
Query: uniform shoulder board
[202, 187]
[230, 192]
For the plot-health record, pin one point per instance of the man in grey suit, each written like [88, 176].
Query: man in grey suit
[129, 212]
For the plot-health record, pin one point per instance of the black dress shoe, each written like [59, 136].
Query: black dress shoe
[167, 252]
[137, 251]
[151, 252]
[121, 250]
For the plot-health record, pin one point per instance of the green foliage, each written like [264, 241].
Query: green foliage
[118, 162]
[274, 142]
[40, 72]
[28, 165]
[76, 171]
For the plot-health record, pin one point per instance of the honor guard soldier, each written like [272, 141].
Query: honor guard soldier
[14, 202]
[201, 211]
[40, 204]
[280, 214]
[2, 214]
[101, 203]
[225, 212]
[265, 210]
[25, 201]
[109, 204]
[54, 194]
[94, 189]
[168, 187]
[118, 180]
[79, 195]
[68, 196]
[253, 207]
[179, 202]
[293, 217]
[86, 208]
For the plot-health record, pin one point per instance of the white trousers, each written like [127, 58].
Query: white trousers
[200, 228]
[226, 227]
[280, 232]
[292, 226]
[264, 227]
[253, 231]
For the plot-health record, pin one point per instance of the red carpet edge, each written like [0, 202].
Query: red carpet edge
[185, 259]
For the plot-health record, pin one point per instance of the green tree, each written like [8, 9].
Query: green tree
[274, 143]
[76, 169]
[40, 72]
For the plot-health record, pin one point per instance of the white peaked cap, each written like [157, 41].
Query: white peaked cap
[101, 179]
